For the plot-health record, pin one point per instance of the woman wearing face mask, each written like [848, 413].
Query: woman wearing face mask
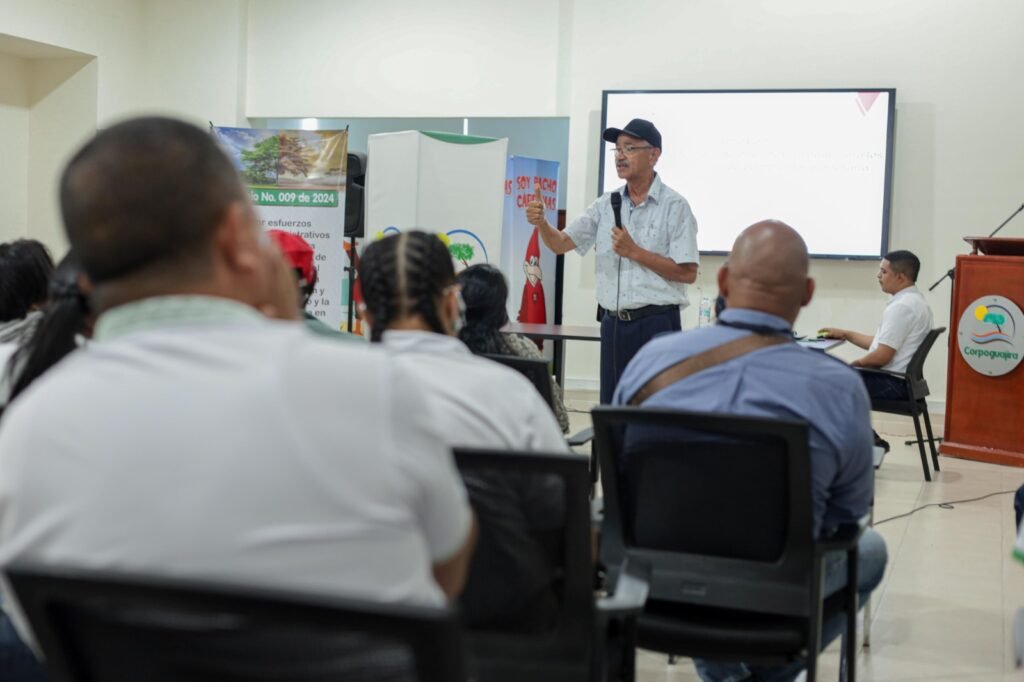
[414, 308]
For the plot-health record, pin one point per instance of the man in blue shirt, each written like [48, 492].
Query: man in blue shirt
[765, 283]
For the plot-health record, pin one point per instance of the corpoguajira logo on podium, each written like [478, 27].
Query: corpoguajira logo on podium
[990, 336]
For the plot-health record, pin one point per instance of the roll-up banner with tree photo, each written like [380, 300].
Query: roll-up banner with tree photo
[297, 182]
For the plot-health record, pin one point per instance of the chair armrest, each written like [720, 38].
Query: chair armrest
[844, 538]
[581, 438]
[883, 372]
[631, 590]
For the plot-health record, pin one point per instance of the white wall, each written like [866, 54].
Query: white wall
[68, 96]
[194, 56]
[14, 102]
[111, 30]
[396, 58]
[62, 116]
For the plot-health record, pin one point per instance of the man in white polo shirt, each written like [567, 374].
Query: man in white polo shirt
[197, 437]
[906, 321]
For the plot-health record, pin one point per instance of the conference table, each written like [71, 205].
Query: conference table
[560, 333]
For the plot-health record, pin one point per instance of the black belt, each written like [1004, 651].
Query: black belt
[640, 313]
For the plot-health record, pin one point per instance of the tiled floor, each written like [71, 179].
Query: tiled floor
[945, 608]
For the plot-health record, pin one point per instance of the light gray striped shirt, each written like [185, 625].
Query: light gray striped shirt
[663, 223]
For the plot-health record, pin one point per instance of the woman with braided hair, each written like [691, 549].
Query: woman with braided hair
[414, 308]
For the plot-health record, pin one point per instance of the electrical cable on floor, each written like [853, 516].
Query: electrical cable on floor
[944, 505]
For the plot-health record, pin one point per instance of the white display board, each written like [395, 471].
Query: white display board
[819, 160]
[438, 182]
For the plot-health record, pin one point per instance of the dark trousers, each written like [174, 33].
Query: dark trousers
[17, 662]
[884, 387]
[620, 340]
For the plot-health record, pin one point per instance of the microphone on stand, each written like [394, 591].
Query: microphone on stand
[950, 273]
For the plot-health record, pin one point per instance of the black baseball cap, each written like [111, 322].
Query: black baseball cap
[638, 127]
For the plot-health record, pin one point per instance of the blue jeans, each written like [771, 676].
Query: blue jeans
[17, 662]
[870, 567]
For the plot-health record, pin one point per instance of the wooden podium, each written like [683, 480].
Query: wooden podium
[985, 414]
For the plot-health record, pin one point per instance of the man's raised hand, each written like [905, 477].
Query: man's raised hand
[535, 209]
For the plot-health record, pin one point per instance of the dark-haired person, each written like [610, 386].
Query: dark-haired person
[906, 321]
[65, 320]
[25, 269]
[298, 252]
[644, 266]
[205, 432]
[414, 307]
[485, 292]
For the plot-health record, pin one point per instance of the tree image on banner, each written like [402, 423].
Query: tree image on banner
[292, 156]
[463, 253]
[259, 164]
[296, 179]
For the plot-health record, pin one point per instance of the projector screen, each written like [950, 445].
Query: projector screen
[820, 160]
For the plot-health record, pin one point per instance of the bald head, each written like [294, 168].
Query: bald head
[767, 271]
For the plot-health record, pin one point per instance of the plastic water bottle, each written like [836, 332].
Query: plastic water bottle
[704, 313]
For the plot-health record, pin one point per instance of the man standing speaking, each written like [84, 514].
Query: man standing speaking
[644, 261]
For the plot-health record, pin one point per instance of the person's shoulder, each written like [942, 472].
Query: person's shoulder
[56, 395]
[670, 341]
[522, 346]
[831, 372]
[662, 348]
[322, 355]
[669, 195]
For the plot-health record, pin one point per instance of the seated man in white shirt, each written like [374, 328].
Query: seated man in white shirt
[906, 321]
[197, 437]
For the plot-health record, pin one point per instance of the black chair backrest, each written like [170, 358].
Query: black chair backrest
[528, 604]
[916, 384]
[718, 505]
[95, 626]
[534, 369]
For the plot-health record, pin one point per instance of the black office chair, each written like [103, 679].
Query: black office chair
[717, 509]
[528, 605]
[97, 626]
[915, 405]
[536, 370]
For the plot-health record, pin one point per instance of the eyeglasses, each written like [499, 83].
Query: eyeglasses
[628, 149]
